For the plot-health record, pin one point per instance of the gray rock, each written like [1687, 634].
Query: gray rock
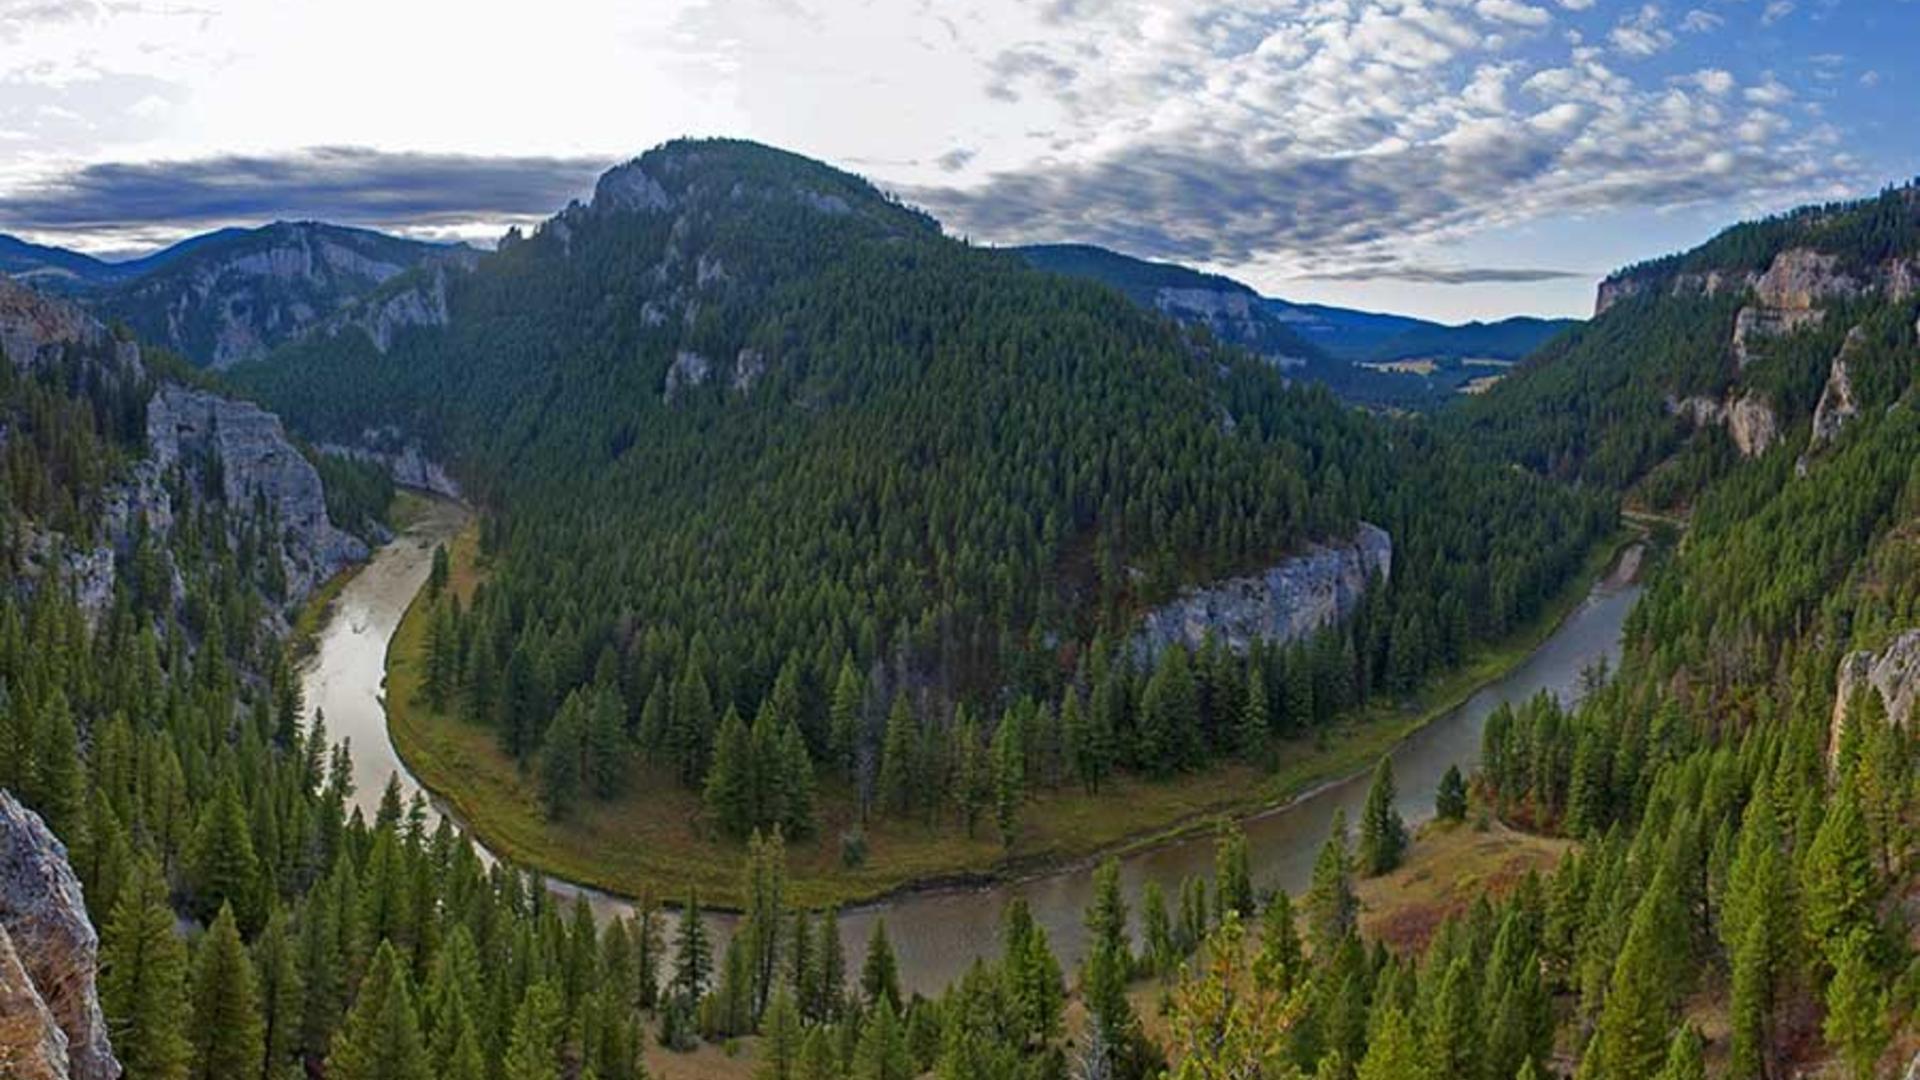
[408, 466]
[45, 920]
[747, 369]
[1289, 601]
[256, 460]
[629, 187]
[32, 1046]
[1837, 404]
[1893, 672]
[34, 326]
[689, 368]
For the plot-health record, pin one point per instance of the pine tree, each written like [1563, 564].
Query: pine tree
[818, 1059]
[533, 1050]
[882, 1052]
[440, 572]
[1752, 1006]
[1251, 736]
[729, 795]
[226, 1031]
[880, 975]
[1332, 909]
[896, 782]
[649, 945]
[780, 1038]
[796, 783]
[1009, 776]
[1840, 883]
[560, 755]
[693, 953]
[225, 869]
[1232, 879]
[381, 1038]
[830, 993]
[1686, 1059]
[143, 989]
[1454, 1032]
[1077, 742]
[1383, 836]
[1640, 997]
[1280, 964]
[1856, 1022]
[844, 725]
[765, 888]
[277, 973]
[1450, 802]
[1393, 1053]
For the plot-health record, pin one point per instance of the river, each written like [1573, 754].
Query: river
[936, 935]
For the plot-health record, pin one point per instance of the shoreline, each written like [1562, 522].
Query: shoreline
[1355, 744]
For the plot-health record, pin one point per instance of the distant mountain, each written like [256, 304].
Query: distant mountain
[1370, 357]
[51, 267]
[233, 295]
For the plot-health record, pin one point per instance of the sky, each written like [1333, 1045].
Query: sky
[1453, 159]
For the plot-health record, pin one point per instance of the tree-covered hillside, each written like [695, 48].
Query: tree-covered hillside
[744, 422]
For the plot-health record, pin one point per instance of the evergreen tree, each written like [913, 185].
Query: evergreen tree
[1450, 802]
[277, 973]
[693, 952]
[381, 1038]
[1856, 1023]
[560, 756]
[143, 989]
[896, 781]
[1686, 1058]
[882, 1052]
[1009, 776]
[1632, 1039]
[1232, 879]
[880, 975]
[1839, 879]
[225, 869]
[1393, 1053]
[729, 794]
[780, 1038]
[1383, 836]
[830, 993]
[844, 724]
[1332, 909]
[533, 1050]
[226, 1032]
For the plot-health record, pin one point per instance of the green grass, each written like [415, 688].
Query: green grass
[653, 836]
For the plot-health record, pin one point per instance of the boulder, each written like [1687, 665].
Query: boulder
[45, 923]
[1287, 602]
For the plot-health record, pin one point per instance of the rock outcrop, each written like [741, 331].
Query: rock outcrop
[688, 369]
[43, 923]
[1749, 420]
[34, 326]
[408, 466]
[1893, 672]
[1837, 404]
[256, 460]
[1289, 601]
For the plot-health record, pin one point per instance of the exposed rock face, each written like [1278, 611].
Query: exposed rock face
[1837, 404]
[1894, 672]
[45, 924]
[1755, 324]
[422, 303]
[256, 460]
[34, 326]
[32, 1046]
[689, 368]
[1749, 420]
[1709, 283]
[630, 187]
[1287, 602]
[408, 466]
[747, 369]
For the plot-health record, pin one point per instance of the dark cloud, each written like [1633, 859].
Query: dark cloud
[352, 185]
[1449, 275]
[956, 159]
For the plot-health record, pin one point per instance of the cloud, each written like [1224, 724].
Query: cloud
[956, 159]
[1699, 21]
[352, 185]
[1448, 275]
[1775, 11]
[1641, 34]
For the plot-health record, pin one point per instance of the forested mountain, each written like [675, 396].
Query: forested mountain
[1697, 359]
[752, 436]
[1353, 352]
[51, 267]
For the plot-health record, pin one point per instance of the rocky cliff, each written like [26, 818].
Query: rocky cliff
[51, 1025]
[1289, 601]
[1750, 421]
[256, 461]
[1893, 671]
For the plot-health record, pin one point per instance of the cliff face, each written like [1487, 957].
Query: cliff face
[256, 460]
[1289, 601]
[1893, 672]
[50, 1020]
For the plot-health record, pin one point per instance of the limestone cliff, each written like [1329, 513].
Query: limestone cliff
[256, 461]
[1289, 601]
[1893, 671]
[1750, 421]
[50, 1020]
[1837, 404]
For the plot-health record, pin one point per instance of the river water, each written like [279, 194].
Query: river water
[936, 935]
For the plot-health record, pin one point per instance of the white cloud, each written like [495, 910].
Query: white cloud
[1699, 21]
[1775, 11]
[1641, 33]
[1512, 11]
[1715, 81]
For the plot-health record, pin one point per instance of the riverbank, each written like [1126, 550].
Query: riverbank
[651, 838]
